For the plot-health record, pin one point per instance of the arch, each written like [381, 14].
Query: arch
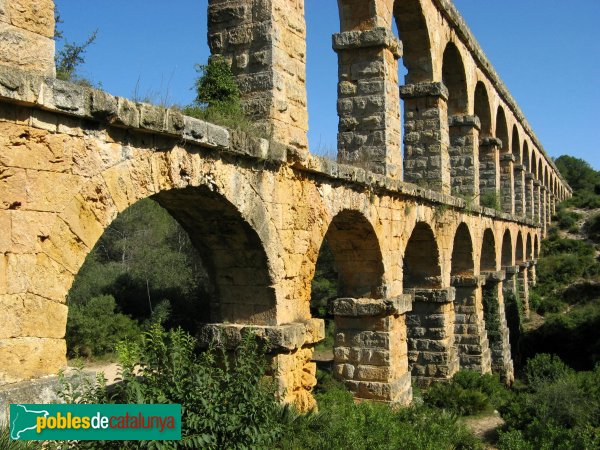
[519, 248]
[526, 156]
[410, 19]
[529, 248]
[454, 77]
[516, 144]
[488, 252]
[414, 34]
[482, 109]
[421, 265]
[357, 255]
[502, 129]
[507, 250]
[462, 252]
[536, 247]
[243, 284]
[534, 165]
[539, 166]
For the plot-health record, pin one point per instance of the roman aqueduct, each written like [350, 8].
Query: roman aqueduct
[402, 209]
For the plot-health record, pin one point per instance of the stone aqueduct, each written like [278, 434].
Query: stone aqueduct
[414, 249]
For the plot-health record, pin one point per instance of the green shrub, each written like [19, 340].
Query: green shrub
[573, 336]
[561, 409]
[490, 200]
[544, 368]
[94, 328]
[6, 443]
[467, 393]
[343, 424]
[226, 403]
[565, 218]
[592, 228]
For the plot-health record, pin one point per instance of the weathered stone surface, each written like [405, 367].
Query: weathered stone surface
[30, 357]
[370, 307]
[26, 50]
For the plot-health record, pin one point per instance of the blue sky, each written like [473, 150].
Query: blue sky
[547, 53]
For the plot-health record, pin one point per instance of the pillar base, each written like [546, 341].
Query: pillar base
[370, 354]
[432, 354]
[289, 348]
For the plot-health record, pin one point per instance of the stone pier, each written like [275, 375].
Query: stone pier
[470, 333]
[370, 350]
[431, 348]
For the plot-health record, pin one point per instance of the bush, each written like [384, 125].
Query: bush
[572, 336]
[560, 410]
[592, 228]
[490, 200]
[94, 328]
[225, 403]
[342, 424]
[467, 393]
[566, 219]
[544, 368]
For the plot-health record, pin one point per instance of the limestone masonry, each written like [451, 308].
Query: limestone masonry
[417, 254]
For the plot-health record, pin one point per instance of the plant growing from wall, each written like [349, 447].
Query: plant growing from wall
[71, 55]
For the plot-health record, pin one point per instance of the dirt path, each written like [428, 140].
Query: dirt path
[485, 428]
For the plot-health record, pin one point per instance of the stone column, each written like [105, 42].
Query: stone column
[432, 352]
[426, 159]
[27, 31]
[529, 196]
[289, 349]
[370, 353]
[489, 170]
[464, 156]
[265, 42]
[544, 209]
[496, 326]
[537, 198]
[470, 333]
[552, 205]
[510, 282]
[519, 175]
[507, 186]
[368, 102]
[533, 273]
[523, 286]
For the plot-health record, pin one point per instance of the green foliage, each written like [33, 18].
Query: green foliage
[545, 368]
[324, 287]
[491, 314]
[218, 98]
[561, 409]
[583, 179]
[342, 424]
[94, 327]
[70, 56]
[573, 336]
[468, 393]
[6, 443]
[592, 228]
[147, 263]
[490, 200]
[566, 219]
[226, 402]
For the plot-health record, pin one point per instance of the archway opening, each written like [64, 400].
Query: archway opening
[182, 257]
[462, 252]
[349, 265]
[519, 249]
[488, 252]
[421, 259]
[453, 76]
[507, 250]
